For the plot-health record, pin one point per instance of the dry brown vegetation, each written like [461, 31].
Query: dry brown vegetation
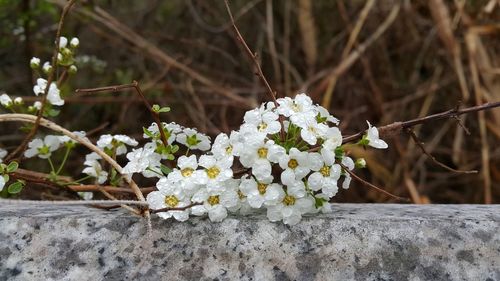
[382, 61]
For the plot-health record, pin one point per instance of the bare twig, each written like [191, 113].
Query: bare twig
[93, 187]
[433, 159]
[258, 69]
[356, 177]
[174, 209]
[134, 85]
[398, 126]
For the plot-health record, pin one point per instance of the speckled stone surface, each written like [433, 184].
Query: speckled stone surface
[355, 242]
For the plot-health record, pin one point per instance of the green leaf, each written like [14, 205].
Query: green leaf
[15, 187]
[148, 132]
[53, 112]
[165, 170]
[12, 167]
[158, 109]
[2, 168]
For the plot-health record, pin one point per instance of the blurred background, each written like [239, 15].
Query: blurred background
[382, 61]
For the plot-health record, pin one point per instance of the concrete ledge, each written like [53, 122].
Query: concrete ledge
[356, 242]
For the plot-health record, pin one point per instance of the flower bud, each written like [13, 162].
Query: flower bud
[360, 163]
[5, 100]
[47, 68]
[63, 41]
[35, 63]
[72, 69]
[18, 101]
[74, 43]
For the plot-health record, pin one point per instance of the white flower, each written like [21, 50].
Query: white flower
[68, 140]
[46, 67]
[18, 100]
[3, 153]
[5, 100]
[373, 138]
[265, 121]
[223, 146]
[291, 208]
[311, 130]
[323, 113]
[94, 168]
[215, 202]
[295, 166]
[259, 155]
[349, 164]
[262, 192]
[74, 43]
[216, 171]
[170, 131]
[2, 182]
[185, 175]
[35, 62]
[301, 104]
[117, 141]
[169, 196]
[86, 195]
[42, 148]
[63, 41]
[325, 176]
[143, 160]
[37, 105]
[194, 140]
[53, 95]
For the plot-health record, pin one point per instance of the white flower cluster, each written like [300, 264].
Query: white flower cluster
[289, 172]
[65, 58]
[43, 148]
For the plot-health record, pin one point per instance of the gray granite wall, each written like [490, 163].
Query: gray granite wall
[355, 242]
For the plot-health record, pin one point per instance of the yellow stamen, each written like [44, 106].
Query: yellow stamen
[289, 200]
[292, 164]
[213, 200]
[262, 152]
[171, 201]
[213, 172]
[187, 172]
[262, 188]
[325, 171]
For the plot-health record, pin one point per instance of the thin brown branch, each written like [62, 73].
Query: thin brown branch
[398, 126]
[356, 177]
[258, 69]
[433, 159]
[51, 77]
[174, 209]
[134, 85]
[93, 187]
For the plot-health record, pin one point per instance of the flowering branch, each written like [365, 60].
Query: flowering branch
[51, 77]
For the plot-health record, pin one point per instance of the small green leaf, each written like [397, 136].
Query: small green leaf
[158, 109]
[155, 108]
[15, 187]
[148, 132]
[2, 168]
[12, 167]
[53, 112]
[165, 170]
[164, 109]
